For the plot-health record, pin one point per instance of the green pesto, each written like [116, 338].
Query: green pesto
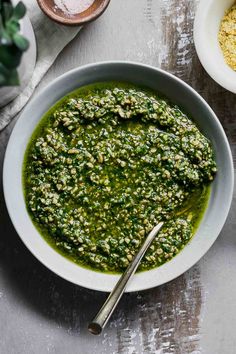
[105, 165]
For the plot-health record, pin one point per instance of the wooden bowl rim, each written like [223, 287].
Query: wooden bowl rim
[98, 11]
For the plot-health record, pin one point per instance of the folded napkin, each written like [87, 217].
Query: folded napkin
[51, 38]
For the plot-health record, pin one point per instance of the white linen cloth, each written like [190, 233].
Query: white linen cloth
[51, 38]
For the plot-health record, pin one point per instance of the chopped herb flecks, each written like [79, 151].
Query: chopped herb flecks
[107, 164]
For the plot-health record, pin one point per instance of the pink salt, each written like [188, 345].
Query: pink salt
[72, 7]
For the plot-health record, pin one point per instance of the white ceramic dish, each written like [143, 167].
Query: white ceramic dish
[206, 27]
[177, 91]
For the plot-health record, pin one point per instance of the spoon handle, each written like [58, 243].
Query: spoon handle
[99, 322]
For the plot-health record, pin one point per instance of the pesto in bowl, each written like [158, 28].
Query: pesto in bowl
[105, 165]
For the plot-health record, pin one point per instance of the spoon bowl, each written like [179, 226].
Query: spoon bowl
[76, 19]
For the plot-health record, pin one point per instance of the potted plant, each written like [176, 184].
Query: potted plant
[14, 63]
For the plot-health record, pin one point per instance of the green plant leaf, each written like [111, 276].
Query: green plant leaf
[2, 80]
[3, 70]
[8, 77]
[13, 78]
[21, 42]
[5, 38]
[7, 11]
[19, 11]
[1, 25]
[12, 27]
[12, 43]
[10, 57]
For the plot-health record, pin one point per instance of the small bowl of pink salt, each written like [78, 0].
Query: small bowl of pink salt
[73, 12]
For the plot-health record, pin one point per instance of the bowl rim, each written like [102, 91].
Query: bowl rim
[73, 21]
[113, 278]
[220, 72]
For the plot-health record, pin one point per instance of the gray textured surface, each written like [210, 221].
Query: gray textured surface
[41, 313]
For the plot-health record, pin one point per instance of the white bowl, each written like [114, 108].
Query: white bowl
[206, 28]
[177, 91]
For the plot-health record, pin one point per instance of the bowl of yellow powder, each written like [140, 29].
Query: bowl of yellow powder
[215, 40]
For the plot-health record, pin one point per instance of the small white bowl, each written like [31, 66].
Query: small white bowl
[178, 92]
[206, 28]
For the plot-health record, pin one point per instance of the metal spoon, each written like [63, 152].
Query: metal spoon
[100, 321]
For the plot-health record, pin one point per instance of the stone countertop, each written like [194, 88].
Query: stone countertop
[42, 313]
